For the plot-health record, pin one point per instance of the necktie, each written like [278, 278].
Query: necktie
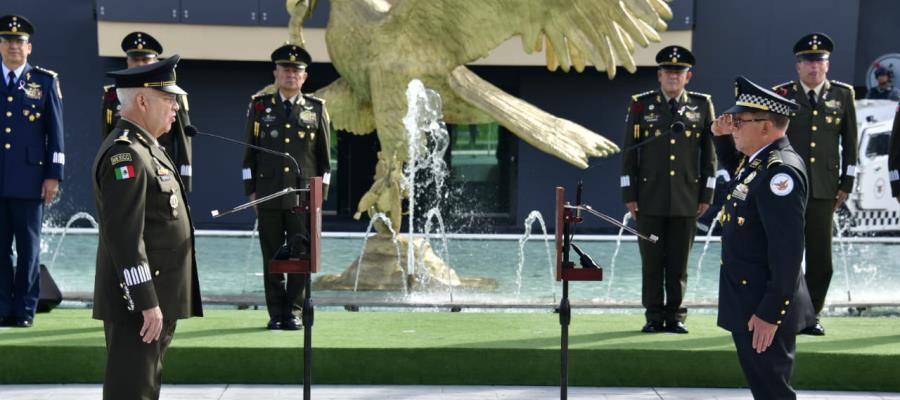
[287, 107]
[11, 81]
[672, 106]
[812, 98]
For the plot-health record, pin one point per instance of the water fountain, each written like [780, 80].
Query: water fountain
[529, 223]
[76, 217]
[612, 262]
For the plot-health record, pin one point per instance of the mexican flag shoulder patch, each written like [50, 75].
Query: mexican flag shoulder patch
[124, 172]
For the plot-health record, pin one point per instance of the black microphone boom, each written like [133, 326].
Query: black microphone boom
[191, 131]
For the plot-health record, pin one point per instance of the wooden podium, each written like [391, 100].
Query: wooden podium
[311, 204]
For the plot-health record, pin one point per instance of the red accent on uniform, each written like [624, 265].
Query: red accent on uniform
[259, 106]
[637, 107]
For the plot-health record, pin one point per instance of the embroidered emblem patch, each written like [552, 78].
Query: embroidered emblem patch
[781, 184]
[120, 158]
[124, 172]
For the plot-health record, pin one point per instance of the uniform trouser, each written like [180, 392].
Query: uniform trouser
[19, 290]
[768, 373]
[134, 368]
[819, 221]
[283, 299]
[664, 265]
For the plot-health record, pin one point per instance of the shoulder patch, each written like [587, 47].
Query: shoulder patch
[45, 71]
[120, 158]
[781, 184]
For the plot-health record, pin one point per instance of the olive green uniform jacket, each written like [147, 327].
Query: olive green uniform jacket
[304, 134]
[825, 137]
[146, 247]
[673, 172]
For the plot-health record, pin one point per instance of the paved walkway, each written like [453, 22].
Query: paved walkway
[360, 392]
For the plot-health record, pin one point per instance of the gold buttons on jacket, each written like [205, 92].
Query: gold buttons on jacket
[287, 126]
[672, 172]
[157, 272]
[814, 128]
[743, 281]
[671, 141]
[672, 157]
[9, 113]
[786, 302]
[812, 144]
[301, 134]
[728, 197]
[9, 99]
[8, 129]
[815, 112]
[812, 159]
[782, 312]
[287, 140]
[778, 322]
[287, 169]
[741, 221]
[7, 146]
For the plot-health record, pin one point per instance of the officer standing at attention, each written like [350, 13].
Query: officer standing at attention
[885, 89]
[763, 300]
[667, 182]
[146, 275]
[823, 132]
[142, 49]
[31, 167]
[291, 122]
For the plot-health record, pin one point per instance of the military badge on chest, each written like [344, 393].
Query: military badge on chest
[32, 90]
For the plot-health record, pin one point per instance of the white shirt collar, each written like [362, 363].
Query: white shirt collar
[155, 142]
[292, 99]
[677, 98]
[17, 71]
[817, 89]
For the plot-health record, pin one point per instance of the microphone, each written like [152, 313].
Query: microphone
[585, 260]
[192, 131]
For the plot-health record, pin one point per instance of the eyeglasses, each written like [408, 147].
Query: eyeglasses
[737, 122]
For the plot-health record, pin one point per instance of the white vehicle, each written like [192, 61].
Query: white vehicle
[872, 209]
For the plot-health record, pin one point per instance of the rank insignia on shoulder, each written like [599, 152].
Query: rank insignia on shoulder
[123, 138]
[781, 184]
[120, 158]
[124, 172]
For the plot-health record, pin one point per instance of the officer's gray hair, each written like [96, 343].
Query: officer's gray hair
[127, 95]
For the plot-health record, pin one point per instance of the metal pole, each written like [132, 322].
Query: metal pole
[308, 316]
[565, 316]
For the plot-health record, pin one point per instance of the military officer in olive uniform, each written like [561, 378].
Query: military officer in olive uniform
[763, 300]
[142, 49]
[31, 167]
[146, 275]
[668, 180]
[295, 123]
[823, 132]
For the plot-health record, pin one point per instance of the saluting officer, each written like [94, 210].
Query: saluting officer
[141, 49]
[146, 275]
[295, 123]
[763, 300]
[668, 181]
[31, 167]
[823, 132]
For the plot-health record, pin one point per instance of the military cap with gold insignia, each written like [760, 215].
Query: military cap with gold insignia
[141, 45]
[675, 58]
[291, 55]
[750, 97]
[159, 76]
[15, 27]
[813, 47]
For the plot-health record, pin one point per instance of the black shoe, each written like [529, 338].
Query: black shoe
[653, 327]
[292, 324]
[24, 323]
[273, 324]
[676, 327]
[815, 330]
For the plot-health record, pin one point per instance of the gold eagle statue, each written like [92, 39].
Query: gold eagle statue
[379, 46]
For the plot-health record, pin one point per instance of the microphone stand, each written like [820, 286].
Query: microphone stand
[308, 309]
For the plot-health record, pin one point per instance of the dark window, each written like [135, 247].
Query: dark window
[879, 143]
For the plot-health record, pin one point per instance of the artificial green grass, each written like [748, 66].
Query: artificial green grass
[66, 346]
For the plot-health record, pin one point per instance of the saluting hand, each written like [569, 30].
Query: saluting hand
[763, 333]
[724, 125]
[49, 190]
[153, 321]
